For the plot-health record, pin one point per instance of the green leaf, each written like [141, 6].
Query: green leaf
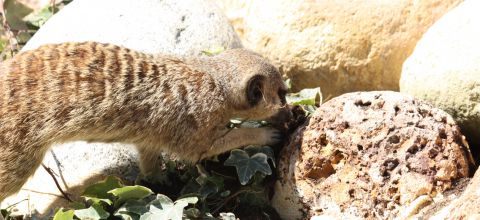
[128, 216]
[164, 208]
[209, 185]
[3, 44]
[225, 193]
[268, 151]
[4, 212]
[305, 97]
[77, 205]
[99, 192]
[288, 82]
[63, 215]
[130, 192]
[94, 212]
[132, 209]
[37, 19]
[214, 51]
[188, 200]
[15, 12]
[162, 202]
[247, 166]
[134, 206]
[193, 213]
[227, 216]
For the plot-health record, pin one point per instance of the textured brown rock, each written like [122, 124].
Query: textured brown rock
[370, 155]
[342, 45]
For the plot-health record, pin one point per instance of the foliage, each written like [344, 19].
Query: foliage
[214, 51]
[307, 99]
[247, 165]
[110, 198]
[19, 24]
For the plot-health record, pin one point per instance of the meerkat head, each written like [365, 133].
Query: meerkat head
[255, 87]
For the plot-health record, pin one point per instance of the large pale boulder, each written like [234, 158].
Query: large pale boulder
[180, 27]
[74, 166]
[342, 46]
[184, 27]
[444, 69]
[373, 155]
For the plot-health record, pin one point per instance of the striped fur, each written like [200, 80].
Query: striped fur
[106, 93]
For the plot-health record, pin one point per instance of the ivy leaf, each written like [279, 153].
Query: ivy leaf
[99, 192]
[3, 43]
[162, 202]
[305, 97]
[193, 213]
[247, 166]
[209, 185]
[63, 215]
[37, 19]
[132, 210]
[168, 209]
[94, 212]
[130, 192]
[188, 200]
[268, 151]
[227, 216]
[15, 12]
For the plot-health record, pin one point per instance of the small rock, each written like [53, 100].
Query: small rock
[356, 159]
[444, 69]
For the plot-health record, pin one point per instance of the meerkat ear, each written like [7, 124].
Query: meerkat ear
[255, 89]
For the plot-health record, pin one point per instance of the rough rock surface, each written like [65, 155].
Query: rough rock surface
[169, 26]
[76, 165]
[467, 206]
[370, 155]
[342, 46]
[180, 27]
[444, 69]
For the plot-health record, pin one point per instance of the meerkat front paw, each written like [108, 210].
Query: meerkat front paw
[271, 136]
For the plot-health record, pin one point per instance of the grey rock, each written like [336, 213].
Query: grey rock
[153, 26]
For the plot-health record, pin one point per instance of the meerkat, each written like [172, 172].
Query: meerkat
[107, 93]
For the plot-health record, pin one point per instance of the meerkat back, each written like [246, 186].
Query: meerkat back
[106, 93]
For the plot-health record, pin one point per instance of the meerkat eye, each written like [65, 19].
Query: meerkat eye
[254, 90]
[282, 93]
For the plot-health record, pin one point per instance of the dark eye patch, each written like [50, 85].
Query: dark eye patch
[254, 90]
[282, 93]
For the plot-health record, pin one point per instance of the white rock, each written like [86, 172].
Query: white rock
[444, 68]
[180, 27]
[76, 165]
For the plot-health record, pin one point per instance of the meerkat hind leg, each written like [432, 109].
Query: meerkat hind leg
[16, 166]
[150, 161]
